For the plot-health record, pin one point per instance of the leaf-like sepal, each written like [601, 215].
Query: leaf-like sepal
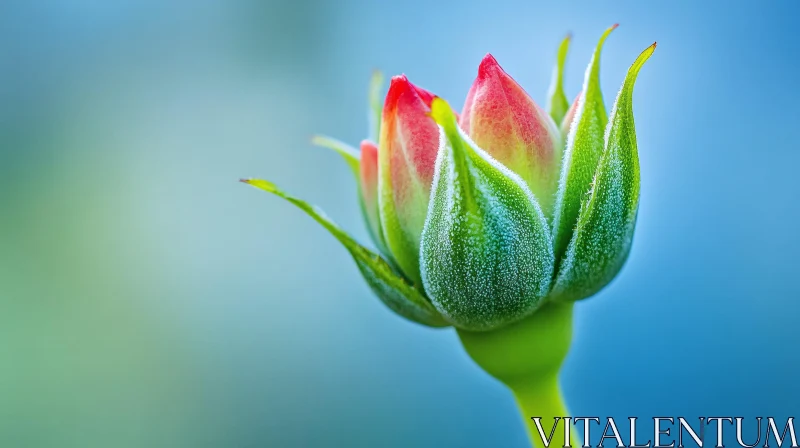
[557, 103]
[393, 290]
[375, 105]
[486, 253]
[584, 147]
[365, 169]
[348, 153]
[604, 232]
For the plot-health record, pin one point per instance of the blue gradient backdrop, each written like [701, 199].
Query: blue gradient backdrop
[148, 299]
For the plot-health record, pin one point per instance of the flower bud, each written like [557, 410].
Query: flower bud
[505, 122]
[486, 255]
[408, 145]
[476, 232]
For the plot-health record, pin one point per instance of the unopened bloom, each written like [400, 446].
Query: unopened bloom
[481, 218]
[505, 122]
[409, 141]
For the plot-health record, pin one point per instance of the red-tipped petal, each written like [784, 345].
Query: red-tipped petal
[408, 145]
[426, 96]
[410, 133]
[505, 121]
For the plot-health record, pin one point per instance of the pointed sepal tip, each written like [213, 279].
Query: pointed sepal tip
[392, 289]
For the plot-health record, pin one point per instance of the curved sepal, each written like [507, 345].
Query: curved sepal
[365, 169]
[584, 147]
[557, 103]
[486, 254]
[393, 290]
[605, 227]
[348, 153]
[375, 105]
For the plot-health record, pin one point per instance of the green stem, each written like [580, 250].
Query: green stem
[526, 356]
[541, 397]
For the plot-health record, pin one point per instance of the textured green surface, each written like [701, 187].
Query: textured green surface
[582, 154]
[605, 227]
[486, 253]
[392, 289]
[557, 102]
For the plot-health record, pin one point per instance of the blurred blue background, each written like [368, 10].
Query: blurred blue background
[149, 299]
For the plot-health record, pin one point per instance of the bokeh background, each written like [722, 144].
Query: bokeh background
[148, 299]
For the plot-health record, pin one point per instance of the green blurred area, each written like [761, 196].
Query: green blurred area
[118, 122]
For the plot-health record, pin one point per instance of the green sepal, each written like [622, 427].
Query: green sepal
[351, 156]
[582, 154]
[348, 153]
[604, 232]
[375, 105]
[392, 289]
[486, 253]
[557, 102]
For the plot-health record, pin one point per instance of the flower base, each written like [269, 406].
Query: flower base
[526, 356]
